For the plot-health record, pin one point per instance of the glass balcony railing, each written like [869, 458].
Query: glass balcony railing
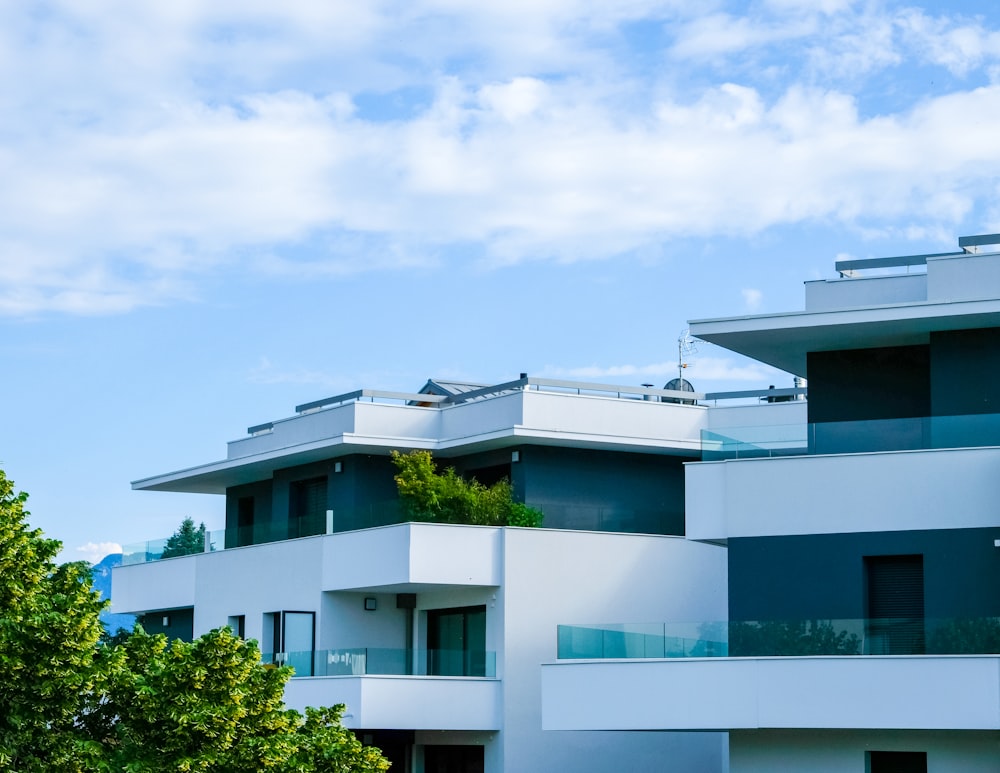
[369, 661]
[376, 514]
[838, 437]
[610, 518]
[859, 636]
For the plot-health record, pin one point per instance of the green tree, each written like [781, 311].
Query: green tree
[186, 541]
[211, 705]
[49, 627]
[445, 497]
[138, 704]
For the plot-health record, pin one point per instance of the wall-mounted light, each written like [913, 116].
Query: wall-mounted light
[515, 457]
[338, 466]
[996, 543]
[166, 620]
[371, 604]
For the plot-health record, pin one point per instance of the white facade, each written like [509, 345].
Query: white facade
[838, 488]
[527, 580]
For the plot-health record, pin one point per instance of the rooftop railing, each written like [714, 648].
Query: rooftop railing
[912, 434]
[966, 244]
[382, 513]
[782, 638]
[648, 394]
[652, 520]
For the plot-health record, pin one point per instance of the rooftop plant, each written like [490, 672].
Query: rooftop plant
[429, 494]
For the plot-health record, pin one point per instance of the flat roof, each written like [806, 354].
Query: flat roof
[783, 340]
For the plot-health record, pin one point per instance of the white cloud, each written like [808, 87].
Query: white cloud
[698, 367]
[93, 552]
[151, 145]
[958, 45]
[752, 298]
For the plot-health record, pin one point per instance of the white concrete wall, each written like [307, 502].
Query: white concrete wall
[864, 291]
[790, 414]
[165, 584]
[479, 417]
[963, 278]
[384, 420]
[538, 414]
[530, 581]
[619, 422]
[416, 703]
[347, 624]
[255, 580]
[861, 692]
[553, 577]
[295, 431]
[806, 751]
[412, 553]
[843, 493]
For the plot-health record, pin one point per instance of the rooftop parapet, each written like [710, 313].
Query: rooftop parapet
[957, 291]
[968, 274]
[474, 418]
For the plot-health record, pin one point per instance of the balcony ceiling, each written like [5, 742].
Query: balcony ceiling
[783, 340]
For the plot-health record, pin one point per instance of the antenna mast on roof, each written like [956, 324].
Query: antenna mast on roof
[685, 348]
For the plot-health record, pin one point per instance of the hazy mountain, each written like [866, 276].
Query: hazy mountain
[101, 573]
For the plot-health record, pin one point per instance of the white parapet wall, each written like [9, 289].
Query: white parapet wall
[842, 493]
[958, 692]
[414, 703]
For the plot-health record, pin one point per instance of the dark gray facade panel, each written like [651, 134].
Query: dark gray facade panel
[965, 372]
[179, 623]
[822, 576]
[363, 494]
[605, 491]
[866, 384]
[261, 494]
[575, 488]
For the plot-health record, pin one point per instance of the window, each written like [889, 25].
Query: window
[896, 762]
[244, 521]
[456, 641]
[289, 638]
[307, 507]
[895, 605]
[238, 625]
[454, 759]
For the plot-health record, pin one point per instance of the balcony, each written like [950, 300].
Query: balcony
[404, 702]
[389, 512]
[406, 557]
[844, 437]
[859, 693]
[792, 675]
[782, 638]
[381, 661]
[843, 493]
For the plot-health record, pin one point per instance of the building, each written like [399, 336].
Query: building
[863, 536]
[433, 635]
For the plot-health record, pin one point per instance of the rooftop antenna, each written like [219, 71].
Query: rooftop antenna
[686, 347]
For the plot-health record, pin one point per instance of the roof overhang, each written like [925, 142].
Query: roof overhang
[783, 340]
[216, 477]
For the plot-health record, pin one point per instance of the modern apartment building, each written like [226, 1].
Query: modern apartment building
[862, 529]
[433, 635]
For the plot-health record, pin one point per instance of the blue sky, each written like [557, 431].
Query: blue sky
[212, 212]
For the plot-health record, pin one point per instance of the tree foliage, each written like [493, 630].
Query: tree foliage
[445, 497]
[211, 705]
[49, 627]
[186, 541]
[799, 638]
[138, 703]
